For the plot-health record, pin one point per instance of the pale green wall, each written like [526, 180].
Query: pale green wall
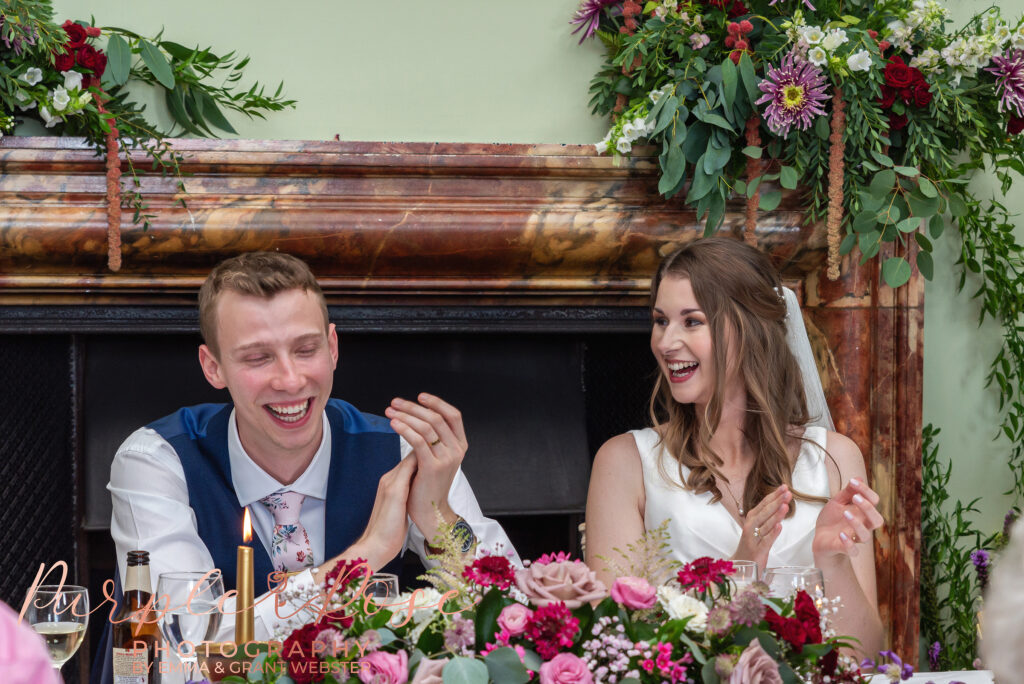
[489, 71]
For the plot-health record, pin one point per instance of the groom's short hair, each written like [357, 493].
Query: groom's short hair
[257, 274]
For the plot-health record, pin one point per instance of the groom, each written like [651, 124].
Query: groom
[323, 482]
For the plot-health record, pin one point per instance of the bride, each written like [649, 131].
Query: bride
[735, 462]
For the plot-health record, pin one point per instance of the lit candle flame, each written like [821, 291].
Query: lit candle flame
[246, 528]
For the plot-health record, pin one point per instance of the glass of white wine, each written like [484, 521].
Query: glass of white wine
[192, 615]
[60, 614]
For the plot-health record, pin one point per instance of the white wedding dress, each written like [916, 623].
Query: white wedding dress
[698, 527]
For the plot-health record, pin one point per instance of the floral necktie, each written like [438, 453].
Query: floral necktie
[290, 549]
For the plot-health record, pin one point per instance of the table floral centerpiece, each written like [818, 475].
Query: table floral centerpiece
[485, 621]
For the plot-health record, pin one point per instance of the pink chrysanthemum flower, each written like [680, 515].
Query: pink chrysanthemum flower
[795, 91]
[1009, 72]
[588, 16]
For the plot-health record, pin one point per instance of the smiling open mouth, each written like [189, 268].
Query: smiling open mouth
[682, 370]
[290, 413]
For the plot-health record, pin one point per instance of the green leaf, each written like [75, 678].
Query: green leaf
[770, 200]
[157, 64]
[708, 674]
[925, 265]
[909, 225]
[716, 212]
[925, 243]
[730, 77]
[178, 51]
[927, 188]
[921, 206]
[896, 271]
[821, 128]
[175, 100]
[213, 113]
[908, 171]
[957, 207]
[936, 225]
[694, 649]
[119, 60]
[487, 612]
[750, 80]
[864, 221]
[869, 243]
[715, 159]
[753, 151]
[696, 142]
[702, 183]
[882, 183]
[461, 670]
[788, 177]
[717, 120]
[740, 187]
[847, 245]
[666, 115]
[883, 159]
[752, 186]
[505, 667]
[675, 165]
[870, 202]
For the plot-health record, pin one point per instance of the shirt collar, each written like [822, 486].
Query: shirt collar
[252, 483]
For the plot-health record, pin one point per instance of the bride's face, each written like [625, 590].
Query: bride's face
[681, 342]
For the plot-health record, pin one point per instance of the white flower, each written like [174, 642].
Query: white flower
[817, 56]
[73, 80]
[859, 61]
[49, 118]
[32, 75]
[629, 131]
[60, 99]
[602, 146]
[424, 609]
[834, 39]
[679, 605]
[661, 11]
[649, 126]
[1018, 38]
[1002, 34]
[812, 34]
[623, 146]
[928, 60]
[25, 99]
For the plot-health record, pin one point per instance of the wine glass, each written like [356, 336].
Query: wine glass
[59, 613]
[744, 573]
[192, 615]
[382, 587]
[784, 581]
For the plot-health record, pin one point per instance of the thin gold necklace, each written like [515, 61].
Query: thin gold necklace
[739, 506]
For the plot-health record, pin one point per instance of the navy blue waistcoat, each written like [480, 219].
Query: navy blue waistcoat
[363, 448]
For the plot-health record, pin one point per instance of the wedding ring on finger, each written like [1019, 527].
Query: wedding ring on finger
[757, 533]
[855, 538]
[435, 442]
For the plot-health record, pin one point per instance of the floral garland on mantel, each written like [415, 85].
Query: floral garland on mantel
[57, 76]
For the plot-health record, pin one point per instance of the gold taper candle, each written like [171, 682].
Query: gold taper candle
[244, 586]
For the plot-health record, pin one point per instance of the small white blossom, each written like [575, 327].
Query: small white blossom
[1018, 38]
[623, 146]
[602, 146]
[73, 80]
[928, 60]
[629, 131]
[817, 56]
[679, 605]
[1002, 34]
[859, 61]
[812, 34]
[60, 99]
[49, 119]
[32, 75]
[26, 101]
[834, 39]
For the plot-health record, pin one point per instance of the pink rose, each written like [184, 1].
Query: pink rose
[429, 671]
[23, 656]
[565, 668]
[635, 593]
[384, 668]
[514, 619]
[571, 582]
[755, 667]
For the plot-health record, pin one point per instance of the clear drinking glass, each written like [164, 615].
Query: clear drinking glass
[784, 581]
[192, 616]
[744, 573]
[382, 587]
[60, 614]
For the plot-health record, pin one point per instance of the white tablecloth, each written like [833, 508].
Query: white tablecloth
[966, 676]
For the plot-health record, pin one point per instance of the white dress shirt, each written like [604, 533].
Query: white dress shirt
[151, 511]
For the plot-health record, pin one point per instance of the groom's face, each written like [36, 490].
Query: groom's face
[277, 359]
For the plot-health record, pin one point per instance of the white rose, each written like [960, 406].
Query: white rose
[679, 605]
[834, 39]
[32, 75]
[859, 61]
[424, 608]
[60, 99]
[49, 118]
[623, 146]
[817, 56]
[812, 34]
[73, 80]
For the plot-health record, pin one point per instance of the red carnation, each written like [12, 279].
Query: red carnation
[1015, 125]
[789, 630]
[807, 614]
[76, 34]
[489, 571]
[64, 61]
[303, 664]
[703, 572]
[348, 571]
[897, 74]
[552, 629]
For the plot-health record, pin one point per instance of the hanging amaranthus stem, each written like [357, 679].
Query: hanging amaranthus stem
[836, 173]
[113, 197]
[753, 171]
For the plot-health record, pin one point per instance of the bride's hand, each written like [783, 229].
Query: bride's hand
[762, 526]
[847, 521]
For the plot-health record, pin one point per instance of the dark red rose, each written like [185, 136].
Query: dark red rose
[303, 665]
[1015, 125]
[897, 74]
[807, 614]
[64, 61]
[898, 122]
[101, 64]
[733, 8]
[907, 95]
[888, 97]
[922, 94]
[790, 630]
[76, 34]
[87, 57]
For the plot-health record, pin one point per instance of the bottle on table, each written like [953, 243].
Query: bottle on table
[136, 633]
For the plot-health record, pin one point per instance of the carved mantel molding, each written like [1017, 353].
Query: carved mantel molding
[414, 225]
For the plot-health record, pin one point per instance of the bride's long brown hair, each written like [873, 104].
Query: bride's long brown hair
[738, 290]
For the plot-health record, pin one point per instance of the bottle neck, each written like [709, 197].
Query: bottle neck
[137, 579]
